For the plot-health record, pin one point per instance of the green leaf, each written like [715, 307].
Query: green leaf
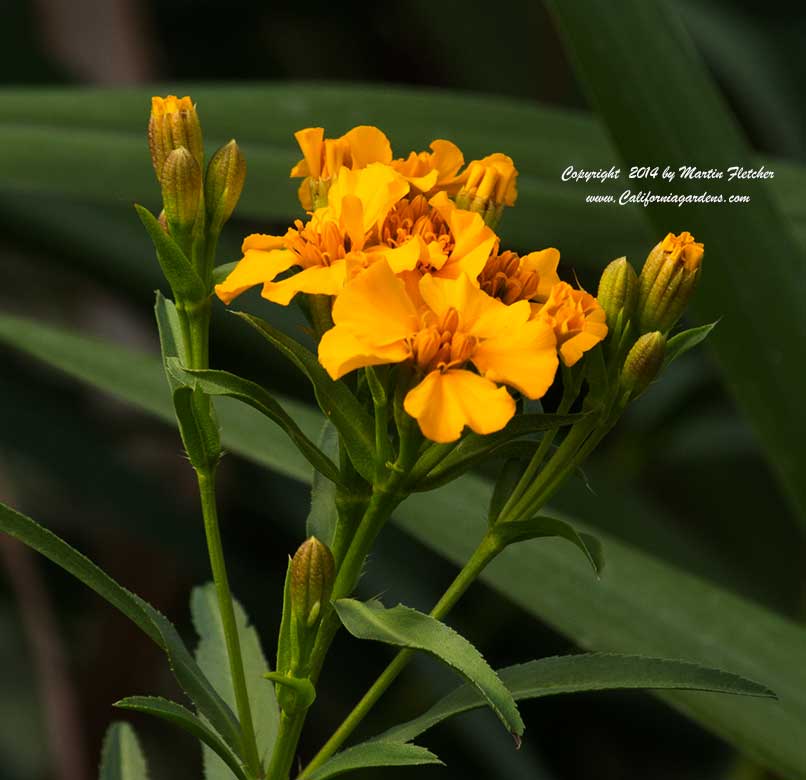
[121, 756]
[473, 448]
[405, 627]
[373, 754]
[580, 674]
[212, 658]
[223, 383]
[642, 606]
[339, 405]
[640, 68]
[284, 639]
[185, 720]
[180, 274]
[682, 342]
[541, 527]
[49, 545]
[198, 429]
[323, 515]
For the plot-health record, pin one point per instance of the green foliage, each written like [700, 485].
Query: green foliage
[323, 514]
[542, 527]
[121, 756]
[211, 656]
[373, 754]
[338, 404]
[578, 674]
[180, 274]
[216, 383]
[181, 717]
[405, 627]
[682, 342]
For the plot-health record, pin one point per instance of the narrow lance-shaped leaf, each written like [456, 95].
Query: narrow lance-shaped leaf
[323, 514]
[183, 718]
[405, 627]
[682, 342]
[373, 754]
[542, 527]
[182, 277]
[211, 656]
[580, 674]
[121, 756]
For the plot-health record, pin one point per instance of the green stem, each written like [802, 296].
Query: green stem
[285, 748]
[485, 552]
[215, 548]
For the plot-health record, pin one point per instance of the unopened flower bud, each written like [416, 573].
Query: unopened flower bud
[173, 123]
[181, 191]
[644, 361]
[618, 292]
[490, 184]
[667, 282]
[313, 572]
[225, 178]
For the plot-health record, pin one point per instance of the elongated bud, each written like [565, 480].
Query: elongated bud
[226, 174]
[644, 361]
[173, 123]
[181, 191]
[618, 292]
[667, 282]
[490, 185]
[313, 571]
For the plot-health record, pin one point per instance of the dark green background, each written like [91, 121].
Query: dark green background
[683, 476]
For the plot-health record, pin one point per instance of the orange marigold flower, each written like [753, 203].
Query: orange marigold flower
[447, 327]
[437, 170]
[511, 278]
[577, 319]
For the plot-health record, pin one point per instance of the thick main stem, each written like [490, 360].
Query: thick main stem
[484, 553]
[233, 642]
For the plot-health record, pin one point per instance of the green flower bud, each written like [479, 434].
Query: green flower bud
[173, 123]
[225, 178]
[644, 361]
[181, 191]
[618, 292]
[313, 572]
[667, 282]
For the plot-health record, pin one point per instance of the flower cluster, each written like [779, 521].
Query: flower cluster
[406, 249]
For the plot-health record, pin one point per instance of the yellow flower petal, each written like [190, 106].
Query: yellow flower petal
[368, 145]
[572, 349]
[525, 358]
[256, 267]
[444, 403]
[544, 263]
[340, 352]
[263, 242]
[310, 140]
[376, 308]
[316, 280]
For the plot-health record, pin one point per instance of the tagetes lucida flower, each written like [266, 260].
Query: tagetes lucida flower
[331, 246]
[577, 319]
[490, 184]
[173, 124]
[447, 328]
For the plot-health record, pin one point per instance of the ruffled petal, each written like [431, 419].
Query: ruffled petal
[310, 140]
[447, 158]
[340, 352]
[525, 358]
[368, 145]
[572, 349]
[444, 403]
[263, 242]
[256, 267]
[316, 280]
